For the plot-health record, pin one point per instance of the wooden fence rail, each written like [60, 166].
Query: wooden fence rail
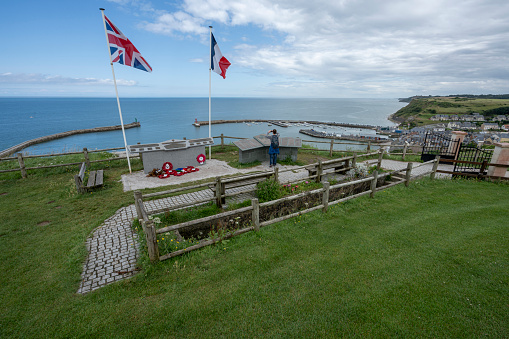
[151, 233]
[220, 185]
[333, 142]
[23, 169]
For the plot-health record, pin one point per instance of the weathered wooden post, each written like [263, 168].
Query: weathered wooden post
[373, 184]
[140, 154]
[435, 167]
[85, 154]
[150, 234]
[404, 151]
[218, 192]
[369, 147]
[256, 214]
[331, 147]
[138, 199]
[276, 174]
[22, 165]
[408, 173]
[380, 157]
[354, 160]
[319, 171]
[222, 140]
[325, 196]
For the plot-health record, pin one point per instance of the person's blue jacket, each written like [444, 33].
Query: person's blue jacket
[273, 150]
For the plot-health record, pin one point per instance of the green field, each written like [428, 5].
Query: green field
[430, 260]
[418, 111]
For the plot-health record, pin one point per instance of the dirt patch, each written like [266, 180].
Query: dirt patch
[50, 202]
[44, 223]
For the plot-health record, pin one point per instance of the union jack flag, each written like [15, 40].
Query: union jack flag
[122, 49]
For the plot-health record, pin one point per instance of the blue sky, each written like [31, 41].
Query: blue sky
[278, 48]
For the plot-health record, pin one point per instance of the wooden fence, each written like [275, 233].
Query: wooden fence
[151, 232]
[220, 184]
[405, 147]
[86, 159]
[23, 169]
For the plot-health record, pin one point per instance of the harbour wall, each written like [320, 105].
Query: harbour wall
[11, 150]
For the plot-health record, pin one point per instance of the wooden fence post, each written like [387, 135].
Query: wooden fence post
[150, 234]
[369, 147]
[331, 147]
[404, 151]
[22, 165]
[85, 154]
[435, 167]
[354, 160]
[325, 196]
[380, 157]
[222, 140]
[219, 192]
[408, 173]
[276, 174]
[138, 199]
[140, 154]
[373, 184]
[256, 214]
[319, 171]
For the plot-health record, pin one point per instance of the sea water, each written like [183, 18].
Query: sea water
[172, 118]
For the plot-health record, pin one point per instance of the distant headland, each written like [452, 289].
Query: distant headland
[472, 96]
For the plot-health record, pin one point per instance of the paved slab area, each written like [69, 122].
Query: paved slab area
[113, 246]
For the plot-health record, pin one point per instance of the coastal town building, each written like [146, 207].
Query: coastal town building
[489, 126]
[500, 118]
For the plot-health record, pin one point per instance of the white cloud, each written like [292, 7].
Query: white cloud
[371, 44]
[36, 78]
[178, 22]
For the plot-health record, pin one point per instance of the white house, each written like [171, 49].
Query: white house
[454, 124]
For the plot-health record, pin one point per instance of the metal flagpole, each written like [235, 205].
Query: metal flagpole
[210, 90]
[116, 91]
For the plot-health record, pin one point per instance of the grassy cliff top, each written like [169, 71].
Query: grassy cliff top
[418, 111]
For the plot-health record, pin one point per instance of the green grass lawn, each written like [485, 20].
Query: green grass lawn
[430, 260]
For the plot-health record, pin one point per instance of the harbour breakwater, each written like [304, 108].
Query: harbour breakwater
[324, 135]
[285, 123]
[19, 147]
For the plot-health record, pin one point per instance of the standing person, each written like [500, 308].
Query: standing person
[274, 146]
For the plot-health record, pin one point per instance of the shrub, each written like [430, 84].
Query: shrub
[359, 171]
[268, 190]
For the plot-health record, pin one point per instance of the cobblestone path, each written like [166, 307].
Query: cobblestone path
[113, 246]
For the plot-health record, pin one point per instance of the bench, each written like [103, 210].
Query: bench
[95, 179]
[339, 165]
